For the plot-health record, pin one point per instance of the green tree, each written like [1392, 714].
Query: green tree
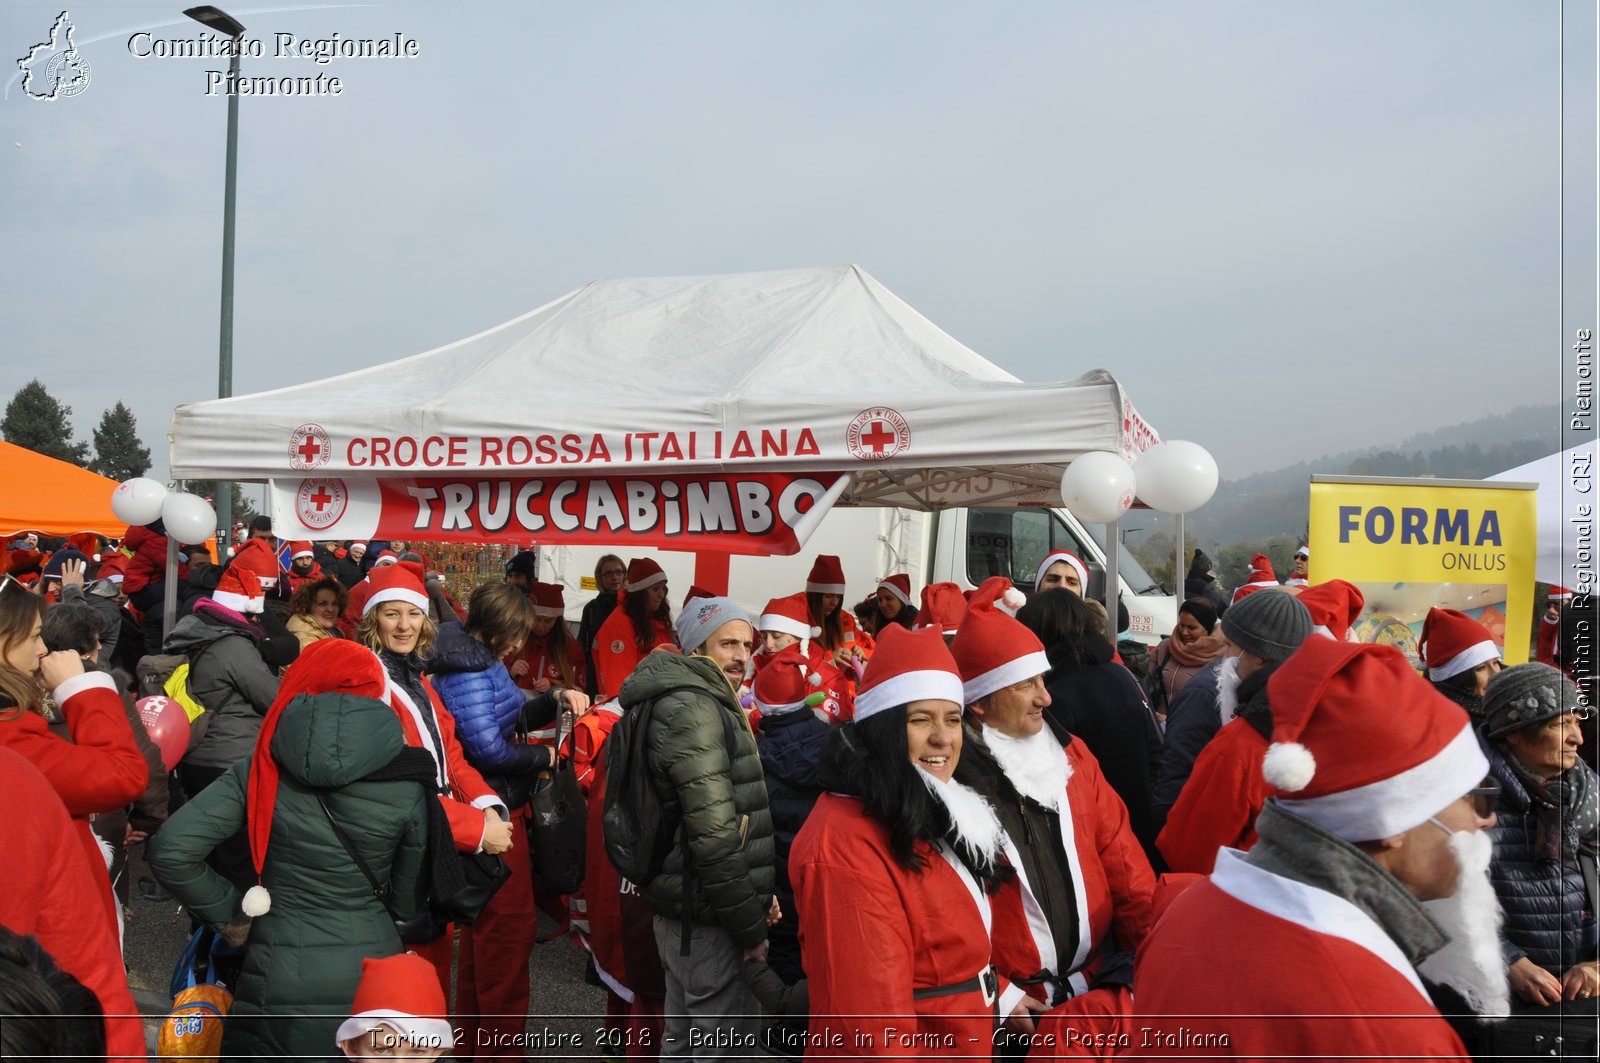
[35, 420]
[118, 453]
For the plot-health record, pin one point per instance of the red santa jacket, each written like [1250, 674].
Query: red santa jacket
[50, 885]
[1111, 881]
[100, 770]
[1549, 641]
[1250, 964]
[464, 793]
[542, 665]
[1218, 805]
[149, 561]
[296, 580]
[617, 652]
[872, 933]
[596, 907]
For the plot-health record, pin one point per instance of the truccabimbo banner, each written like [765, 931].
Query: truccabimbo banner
[763, 513]
[1413, 544]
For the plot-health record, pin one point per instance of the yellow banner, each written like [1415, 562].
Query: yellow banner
[1412, 545]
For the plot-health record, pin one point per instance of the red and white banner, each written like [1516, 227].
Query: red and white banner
[749, 513]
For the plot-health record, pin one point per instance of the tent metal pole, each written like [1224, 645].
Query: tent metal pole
[1178, 570]
[169, 597]
[1113, 541]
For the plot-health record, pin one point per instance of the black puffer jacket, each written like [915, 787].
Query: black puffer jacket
[1544, 901]
[727, 824]
[1193, 719]
[1098, 700]
[791, 749]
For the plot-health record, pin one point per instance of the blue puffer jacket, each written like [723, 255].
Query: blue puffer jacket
[1544, 901]
[487, 706]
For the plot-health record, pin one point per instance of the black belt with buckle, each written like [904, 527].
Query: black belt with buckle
[986, 981]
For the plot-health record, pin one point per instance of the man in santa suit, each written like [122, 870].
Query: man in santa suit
[1082, 872]
[1302, 566]
[1370, 875]
[1548, 647]
[1219, 803]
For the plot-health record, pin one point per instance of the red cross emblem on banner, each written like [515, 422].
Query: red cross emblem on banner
[320, 503]
[877, 434]
[309, 447]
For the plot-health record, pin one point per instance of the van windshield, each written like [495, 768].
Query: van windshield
[1012, 542]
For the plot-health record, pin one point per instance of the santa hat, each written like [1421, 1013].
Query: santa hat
[113, 566]
[907, 666]
[1560, 594]
[898, 585]
[1261, 577]
[789, 615]
[298, 549]
[1055, 557]
[399, 582]
[403, 993]
[358, 546]
[386, 557]
[256, 556]
[325, 666]
[826, 576]
[1333, 606]
[944, 606]
[547, 599]
[1304, 551]
[697, 591]
[642, 573]
[785, 683]
[240, 590]
[1366, 749]
[993, 649]
[1452, 642]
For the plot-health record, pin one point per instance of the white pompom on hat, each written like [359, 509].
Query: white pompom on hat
[784, 683]
[1363, 747]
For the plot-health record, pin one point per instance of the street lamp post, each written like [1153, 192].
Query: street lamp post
[216, 19]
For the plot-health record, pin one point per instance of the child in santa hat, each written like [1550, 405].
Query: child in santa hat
[399, 1012]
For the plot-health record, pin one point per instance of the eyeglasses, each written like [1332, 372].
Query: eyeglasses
[1485, 796]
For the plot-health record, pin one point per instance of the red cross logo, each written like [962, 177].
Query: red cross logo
[877, 434]
[319, 504]
[309, 447]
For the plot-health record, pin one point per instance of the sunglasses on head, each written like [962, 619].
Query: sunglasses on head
[1485, 796]
[9, 585]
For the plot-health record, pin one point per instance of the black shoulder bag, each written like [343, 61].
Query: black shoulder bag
[558, 823]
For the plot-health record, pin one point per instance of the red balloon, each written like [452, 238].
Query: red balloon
[168, 727]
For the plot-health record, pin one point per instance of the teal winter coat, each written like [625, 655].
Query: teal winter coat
[304, 955]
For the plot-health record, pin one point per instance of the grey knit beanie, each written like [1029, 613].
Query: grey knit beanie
[1526, 694]
[702, 616]
[1269, 623]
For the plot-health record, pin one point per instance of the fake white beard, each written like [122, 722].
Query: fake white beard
[1036, 765]
[1228, 689]
[976, 826]
[1471, 962]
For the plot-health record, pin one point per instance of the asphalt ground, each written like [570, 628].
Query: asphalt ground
[564, 1012]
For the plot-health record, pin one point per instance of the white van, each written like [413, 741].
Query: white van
[961, 546]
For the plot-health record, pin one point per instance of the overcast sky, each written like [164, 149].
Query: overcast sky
[1288, 229]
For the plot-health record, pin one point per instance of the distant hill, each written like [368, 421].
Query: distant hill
[1274, 503]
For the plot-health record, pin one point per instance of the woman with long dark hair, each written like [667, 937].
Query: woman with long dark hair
[1098, 700]
[640, 623]
[548, 658]
[900, 865]
[842, 639]
[1461, 658]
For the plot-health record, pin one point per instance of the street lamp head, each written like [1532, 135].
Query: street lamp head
[216, 19]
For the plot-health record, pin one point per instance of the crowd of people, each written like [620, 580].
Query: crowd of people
[949, 822]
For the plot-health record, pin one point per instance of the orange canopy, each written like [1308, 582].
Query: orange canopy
[53, 497]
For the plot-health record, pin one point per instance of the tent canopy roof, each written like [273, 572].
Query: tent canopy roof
[803, 363]
[53, 497]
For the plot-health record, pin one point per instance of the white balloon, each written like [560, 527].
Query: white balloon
[188, 518]
[1176, 476]
[1098, 487]
[138, 501]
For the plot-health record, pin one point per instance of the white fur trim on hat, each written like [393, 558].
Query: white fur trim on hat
[548, 610]
[788, 625]
[1394, 805]
[934, 684]
[649, 581]
[885, 585]
[1013, 671]
[396, 594]
[824, 588]
[257, 901]
[1051, 560]
[769, 709]
[423, 1033]
[1465, 661]
[239, 603]
[298, 554]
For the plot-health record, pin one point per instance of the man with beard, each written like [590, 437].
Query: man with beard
[1370, 875]
[1082, 872]
[1259, 632]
